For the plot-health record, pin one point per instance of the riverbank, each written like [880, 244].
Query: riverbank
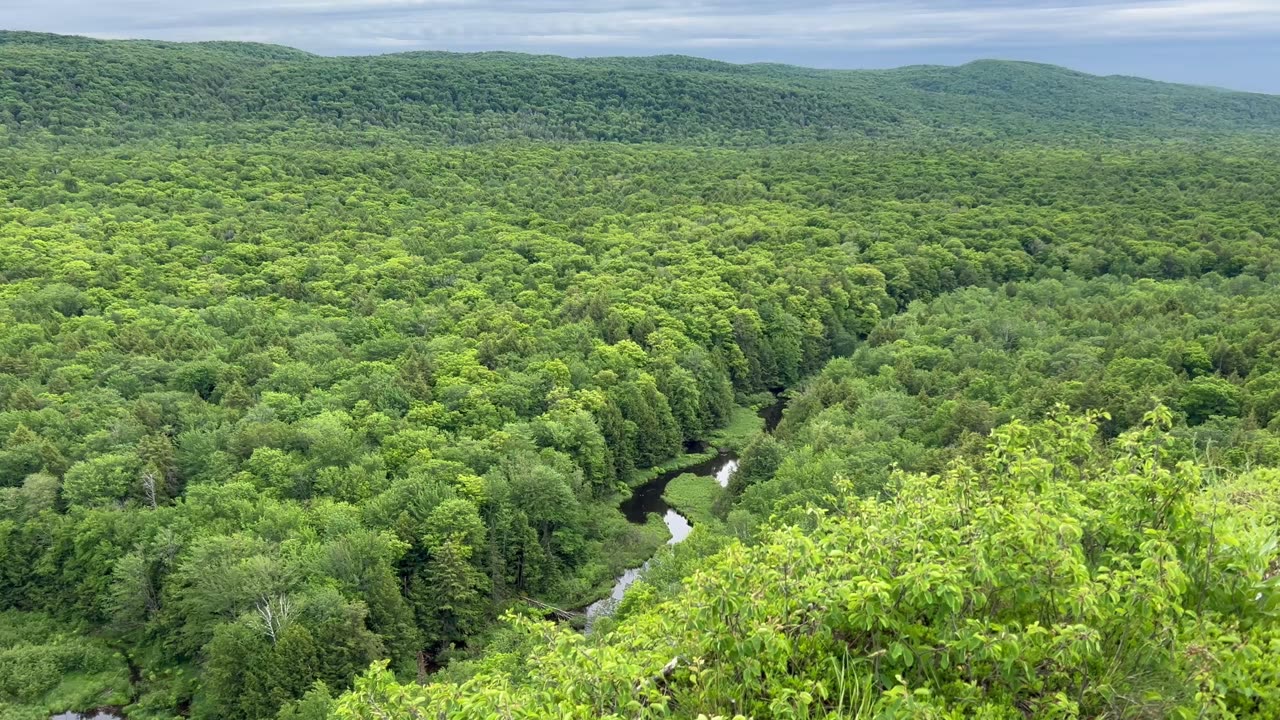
[650, 526]
[49, 672]
[699, 478]
[693, 496]
[744, 423]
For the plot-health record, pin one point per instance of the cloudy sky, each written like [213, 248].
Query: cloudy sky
[1230, 43]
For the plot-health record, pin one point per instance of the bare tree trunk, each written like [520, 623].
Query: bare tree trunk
[149, 487]
[274, 617]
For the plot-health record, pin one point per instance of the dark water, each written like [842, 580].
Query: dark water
[772, 414]
[647, 499]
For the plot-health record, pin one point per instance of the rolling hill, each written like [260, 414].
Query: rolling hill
[77, 86]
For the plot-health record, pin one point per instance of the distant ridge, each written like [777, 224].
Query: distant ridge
[135, 88]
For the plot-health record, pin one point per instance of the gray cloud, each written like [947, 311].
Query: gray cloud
[345, 26]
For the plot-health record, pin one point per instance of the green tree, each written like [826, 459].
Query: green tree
[1205, 397]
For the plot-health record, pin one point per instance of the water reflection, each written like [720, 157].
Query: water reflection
[647, 499]
[726, 471]
[679, 528]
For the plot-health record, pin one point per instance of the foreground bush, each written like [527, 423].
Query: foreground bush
[1053, 578]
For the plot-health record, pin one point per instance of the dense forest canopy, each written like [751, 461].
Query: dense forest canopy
[77, 87]
[322, 379]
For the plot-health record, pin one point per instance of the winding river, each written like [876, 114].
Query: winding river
[647, 499]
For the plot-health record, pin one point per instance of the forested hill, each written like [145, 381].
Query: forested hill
[315, 401]
[129, 89]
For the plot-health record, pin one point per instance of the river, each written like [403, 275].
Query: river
[647, 499]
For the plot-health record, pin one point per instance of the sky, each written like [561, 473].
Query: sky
[1228, 43]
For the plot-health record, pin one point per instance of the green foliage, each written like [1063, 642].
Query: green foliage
[1053, 576]
[316, 704]
[102, 479]
[295, 377]
[933, 380]
[67, 85]
[45, 669]
[694, 496]
[1206, 397]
